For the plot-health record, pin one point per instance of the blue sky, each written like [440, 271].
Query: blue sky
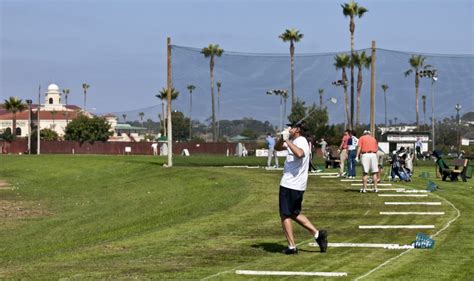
[119, 47]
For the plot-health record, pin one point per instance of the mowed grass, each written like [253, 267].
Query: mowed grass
[125, 217]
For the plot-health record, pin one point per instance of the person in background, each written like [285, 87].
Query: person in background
[293, 185]
[418, 145]
[343, 152]
[271, 151]
[324, 151]
[367, 150]
[352, 153]
[380, 160]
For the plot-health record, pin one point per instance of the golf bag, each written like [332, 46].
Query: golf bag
[398, 170]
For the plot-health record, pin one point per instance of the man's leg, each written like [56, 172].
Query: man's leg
[269, 158]
[364, 182]
[304, 222]
[276, 158]
[288, 230]
[374, 181]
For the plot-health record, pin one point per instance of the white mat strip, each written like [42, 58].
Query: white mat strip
[413, 213]
[324, 174]
[329, 177]
[396, 226]
[289, 273]
[415, 191]
[414, 203]
[403, 195]
[366, 245]
[379, 184]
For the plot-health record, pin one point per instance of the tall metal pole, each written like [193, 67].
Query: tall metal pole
[281, 113]
[372, 90]
[170, 86]
[433, 121]
[29, 102]
[38, 128]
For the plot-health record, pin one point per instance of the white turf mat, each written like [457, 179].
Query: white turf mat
[403, 195]
[289, 273]
[329, 177]
[414, 203]
[396, 226]
[324, 174]
[379, 184]
[245, 167]
[413, 213]
[415, 191]
[273, 169]
[366, 245]
[345, 180]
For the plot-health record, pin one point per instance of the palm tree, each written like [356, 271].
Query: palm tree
[342, 61]
[190, 88]
[141, 114]
[423, 98]
[124, 117]
[361, 60]
[385, 88]
[321, 93]
[211, 52]
[85, 86]
[292, 35]
[417, 62]
[14, 105]
[219, 85]
[66, 94]
[53, 115]
[163, 96]
[352, 10]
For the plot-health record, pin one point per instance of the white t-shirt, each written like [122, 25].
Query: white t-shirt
[295, 174]
[355, 142]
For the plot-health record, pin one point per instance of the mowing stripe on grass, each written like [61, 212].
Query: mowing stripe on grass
[413, 213]
[379, 184]
[403, 195]
[366, 245]
[396, 226]
[289, 273]
[414, 203]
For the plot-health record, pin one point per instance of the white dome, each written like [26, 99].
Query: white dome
[53, 87]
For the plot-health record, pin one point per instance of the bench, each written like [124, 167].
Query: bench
[460, 169]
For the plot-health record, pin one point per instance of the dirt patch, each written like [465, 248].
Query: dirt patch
[4, 185]
[21, 209]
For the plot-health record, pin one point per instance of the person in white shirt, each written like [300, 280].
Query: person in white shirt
[293, 185]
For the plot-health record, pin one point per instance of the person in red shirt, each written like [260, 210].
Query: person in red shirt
[367, 151]
[343, 152]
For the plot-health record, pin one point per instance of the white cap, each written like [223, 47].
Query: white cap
[366, 132]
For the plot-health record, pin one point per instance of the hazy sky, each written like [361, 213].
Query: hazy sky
[119, 46]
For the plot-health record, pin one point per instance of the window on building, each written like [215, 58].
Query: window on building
[18, 131]
[50, 100]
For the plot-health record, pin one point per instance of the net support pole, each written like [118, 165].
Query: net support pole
[38, 129]
[372, 90]
[169, 87]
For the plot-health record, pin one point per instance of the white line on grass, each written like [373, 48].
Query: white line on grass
[413, 203]
[403, 195]
[413, 213]
[379, 184]
[366, 245]
[396, 226]
[289, 273]
[458, 214]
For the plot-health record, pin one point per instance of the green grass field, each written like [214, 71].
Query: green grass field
[126, 217]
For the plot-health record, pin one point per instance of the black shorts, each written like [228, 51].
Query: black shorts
[290, 202]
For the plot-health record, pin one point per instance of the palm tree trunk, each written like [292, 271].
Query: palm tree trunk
[218, 112]
[385, 101]
[85, 93]
[190, 118]
[352, 30]
[14, 124]
[163, 117]
[292, 59]
[359, 90]
[67, 112]
[214, 128]
[346, 97]
[417, 85]
[321, 100]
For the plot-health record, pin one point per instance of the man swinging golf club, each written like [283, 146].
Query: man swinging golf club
[293, 185]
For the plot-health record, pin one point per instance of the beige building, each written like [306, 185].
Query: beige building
[53, 114]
